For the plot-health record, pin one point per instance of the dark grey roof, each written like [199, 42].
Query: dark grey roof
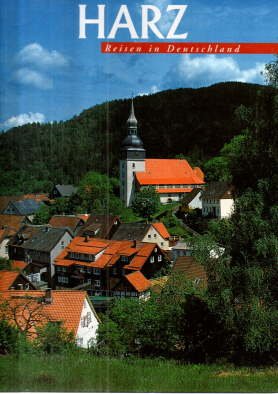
[188, 197]
[218, 190]
[131, 231]
[66, 190]
[26, 207]
[103, 224]
[45, 239]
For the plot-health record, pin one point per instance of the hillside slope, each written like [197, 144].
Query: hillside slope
[194, 122]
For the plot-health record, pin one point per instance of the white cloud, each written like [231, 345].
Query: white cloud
[206, 70]
[34, 78]
[153, 89]
[22, 119]
[38, 56]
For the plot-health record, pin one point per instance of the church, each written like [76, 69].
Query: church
[171, 178]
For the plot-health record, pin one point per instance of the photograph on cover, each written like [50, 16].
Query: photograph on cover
[138, 196]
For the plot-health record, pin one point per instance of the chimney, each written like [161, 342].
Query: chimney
[134, 243]
[86, 238]
[48, 296]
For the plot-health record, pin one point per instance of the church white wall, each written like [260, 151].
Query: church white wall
[127, 172]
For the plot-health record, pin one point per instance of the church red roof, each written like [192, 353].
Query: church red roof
[168, 172]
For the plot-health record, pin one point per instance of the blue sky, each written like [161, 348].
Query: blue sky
[48, 74]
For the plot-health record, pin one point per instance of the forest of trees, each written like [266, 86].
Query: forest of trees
[193, 122]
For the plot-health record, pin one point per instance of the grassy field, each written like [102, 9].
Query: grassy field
[88, 373]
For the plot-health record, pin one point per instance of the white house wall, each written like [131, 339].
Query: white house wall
[153, 236]
[196, 202]
[3, 252]
[86, 335]
[63, 242]
[226, 207]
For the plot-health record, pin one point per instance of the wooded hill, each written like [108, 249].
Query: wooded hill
[193, 122]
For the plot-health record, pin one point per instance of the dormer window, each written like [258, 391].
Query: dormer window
[124, 259]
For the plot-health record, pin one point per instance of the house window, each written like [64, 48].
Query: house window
[149, 236]
[152, 259]
[89, 281]
[79, 341]
[6, 249]
[133, 165]
[89, 317]
[154, 235]
[97, 283]
[62, 245]
[159, 257]
[63, 279]
[96, 271]
[124, 259]
[161, 243]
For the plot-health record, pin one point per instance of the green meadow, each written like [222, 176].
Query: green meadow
[82, 372]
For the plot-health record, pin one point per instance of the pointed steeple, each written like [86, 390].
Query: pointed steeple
[132, 141]
[132, 121]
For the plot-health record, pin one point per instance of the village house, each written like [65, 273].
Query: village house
[5, 200]
[42, 246]
[9, 225]
[145, 232]
[171, 178]
[59, 191]
[193, 200]
[181, 249]
[100, 226]
[26, 207]
[14, 280]
[104, 267]
[73, 222]
[217, 200]
[30, 310]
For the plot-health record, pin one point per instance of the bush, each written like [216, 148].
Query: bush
[53, 338]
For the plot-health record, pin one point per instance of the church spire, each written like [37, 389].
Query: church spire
[132, 121]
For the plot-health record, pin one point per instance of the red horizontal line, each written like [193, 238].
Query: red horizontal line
[204, 48]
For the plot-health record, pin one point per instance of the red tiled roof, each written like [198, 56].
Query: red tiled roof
[112, 250]
[191, 269]
[168, 172]
[36, 197]
[7, 279]
[66, 306]
[174, 190]
[199, 173]
[136, 263]
[20, 265]
[84, 217]
[161, 229]
[10, 224]
[65, 221]
[138, 281]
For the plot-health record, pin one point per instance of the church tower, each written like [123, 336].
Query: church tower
[132, 159]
